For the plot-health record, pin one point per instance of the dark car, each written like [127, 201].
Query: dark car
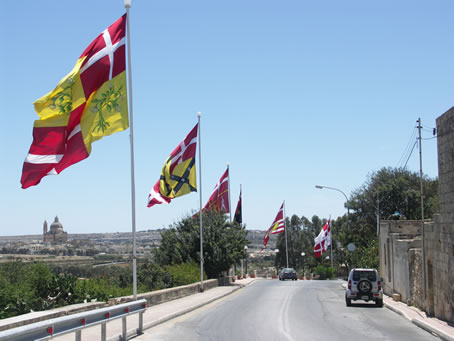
[287, 273]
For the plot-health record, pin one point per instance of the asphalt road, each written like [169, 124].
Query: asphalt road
[290, 310]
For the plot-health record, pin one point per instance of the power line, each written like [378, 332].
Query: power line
[410, 145]
[414, 144]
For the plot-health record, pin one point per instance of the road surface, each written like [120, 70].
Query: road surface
[290, 310]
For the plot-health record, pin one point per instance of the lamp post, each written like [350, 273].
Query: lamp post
[348, 211]
[346, 200]
[245, 249]
[276, 251]
[302, 255]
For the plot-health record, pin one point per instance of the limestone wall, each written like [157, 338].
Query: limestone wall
[439, 237]
[415, 278]
[396, 260]
[440, 268]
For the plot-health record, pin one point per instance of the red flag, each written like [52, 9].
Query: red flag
[178, 175]
[323, 240]
[88, 103]
[219, 199]
[238, 218]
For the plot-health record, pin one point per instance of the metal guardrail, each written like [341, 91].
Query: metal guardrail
[48, 329]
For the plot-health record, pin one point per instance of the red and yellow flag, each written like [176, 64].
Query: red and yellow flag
[178, 176]
[276, 227]
[278, 223]
[88, 104]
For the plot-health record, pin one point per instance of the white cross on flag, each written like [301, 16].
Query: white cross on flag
[323, 240]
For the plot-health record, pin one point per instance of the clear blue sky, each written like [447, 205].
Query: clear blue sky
[292, 94]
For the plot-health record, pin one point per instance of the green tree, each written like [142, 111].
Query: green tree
[294, 244]
[396, 189]
[223, 243]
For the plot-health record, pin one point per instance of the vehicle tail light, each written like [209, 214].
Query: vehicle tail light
[379, 285]
[350, 284]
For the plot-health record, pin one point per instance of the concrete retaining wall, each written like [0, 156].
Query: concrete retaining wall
[165, 295]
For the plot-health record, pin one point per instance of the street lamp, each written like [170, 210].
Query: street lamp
[245, 249]
[346, 201]
[276, 251]
[302, 255]
[348, 209]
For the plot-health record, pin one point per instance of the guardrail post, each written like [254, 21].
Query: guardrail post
[123, 323]
[103, 332]
[140, 330]
[78, 335]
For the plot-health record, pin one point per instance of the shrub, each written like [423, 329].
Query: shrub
[324, 271]
[185, 273]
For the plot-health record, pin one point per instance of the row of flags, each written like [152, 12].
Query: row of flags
[90, 103]
[321, 242]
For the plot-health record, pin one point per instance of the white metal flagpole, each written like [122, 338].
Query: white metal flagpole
[285, 229]
[200, 211]
[230, 202]
[131, 139]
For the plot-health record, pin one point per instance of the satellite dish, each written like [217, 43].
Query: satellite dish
[351, 247]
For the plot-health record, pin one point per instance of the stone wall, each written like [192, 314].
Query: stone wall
[396, 238]
[415, 279]
[439, 237]
[438, 248]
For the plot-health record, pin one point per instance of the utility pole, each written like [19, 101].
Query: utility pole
[378, 214]
[423, 254]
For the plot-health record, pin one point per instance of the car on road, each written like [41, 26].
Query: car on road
[287, 273]
[365, 285]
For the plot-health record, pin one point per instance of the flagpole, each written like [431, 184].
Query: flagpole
[201, 213]
[285, 229]
[230, 202]
[131, 139]
[331, 231]
[241, 208]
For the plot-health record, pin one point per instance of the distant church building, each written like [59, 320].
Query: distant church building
[56, 235]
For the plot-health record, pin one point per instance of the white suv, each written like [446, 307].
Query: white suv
[364, 284]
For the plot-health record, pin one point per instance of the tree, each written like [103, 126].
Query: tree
[294, 244]
[223, 243]
[300, 239]
[397, 189]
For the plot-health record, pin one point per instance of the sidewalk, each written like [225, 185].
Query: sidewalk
[159, 313]
[432, 325]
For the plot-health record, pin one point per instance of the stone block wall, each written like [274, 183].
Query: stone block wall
[397, 241]
[415, 280]
[439, 238]
[440, 268]
[445, 142]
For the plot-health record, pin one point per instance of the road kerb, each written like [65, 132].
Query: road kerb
[433, 330]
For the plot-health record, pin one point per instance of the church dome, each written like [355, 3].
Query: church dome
[56, 226]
